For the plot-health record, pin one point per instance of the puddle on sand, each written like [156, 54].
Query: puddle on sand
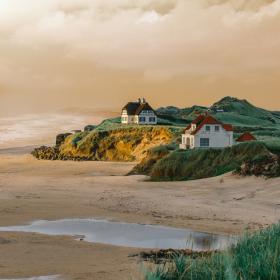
[52, 277]
[128, 234]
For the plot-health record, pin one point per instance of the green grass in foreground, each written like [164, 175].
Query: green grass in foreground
[255, 257]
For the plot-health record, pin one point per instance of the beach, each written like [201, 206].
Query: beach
[32, 190]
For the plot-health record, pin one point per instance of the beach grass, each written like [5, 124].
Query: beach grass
[204, 163]
[256, 256]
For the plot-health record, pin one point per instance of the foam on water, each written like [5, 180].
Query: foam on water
[38, 128]
[35, 126]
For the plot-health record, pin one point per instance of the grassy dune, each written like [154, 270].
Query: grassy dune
[128, 143]
[165, 164]
[255, 257]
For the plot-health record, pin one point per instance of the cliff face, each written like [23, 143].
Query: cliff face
[123, 144]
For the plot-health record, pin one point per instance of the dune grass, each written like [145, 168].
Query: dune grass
[204, 163]
[255, 257]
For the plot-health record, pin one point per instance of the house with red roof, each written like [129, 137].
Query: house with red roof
[246, 137]
[138, 113]
[207, 132]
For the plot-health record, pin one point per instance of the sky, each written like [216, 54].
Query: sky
[102, 53]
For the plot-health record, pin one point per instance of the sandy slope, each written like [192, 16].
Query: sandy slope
[31, 189]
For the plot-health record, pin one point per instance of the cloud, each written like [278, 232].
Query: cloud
[67, 52]
[242, 5]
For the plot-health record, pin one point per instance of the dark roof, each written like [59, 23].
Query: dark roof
[246, 137]
[202, 120]
[144, 106]
[135, 108]
[131, 107]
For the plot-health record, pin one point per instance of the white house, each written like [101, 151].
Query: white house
[207, 132]
[138, 113]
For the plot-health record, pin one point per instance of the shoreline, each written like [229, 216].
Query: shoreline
[107, 171]
[50, 190]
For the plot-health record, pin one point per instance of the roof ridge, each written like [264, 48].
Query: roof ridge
[202, 120]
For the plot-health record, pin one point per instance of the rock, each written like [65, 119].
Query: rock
[89, 128]
[47, 153]
[163, 255]
[60, 138]
[268, 166]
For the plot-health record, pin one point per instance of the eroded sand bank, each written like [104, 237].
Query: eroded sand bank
[35, 190]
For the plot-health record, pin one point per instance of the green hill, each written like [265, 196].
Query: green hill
[239, 113]
[242, 113]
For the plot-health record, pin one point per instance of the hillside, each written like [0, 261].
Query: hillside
[165, 164]
[156, 147]
[118, 144]
[239, 113]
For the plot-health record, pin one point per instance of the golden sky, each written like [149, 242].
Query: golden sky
[102, 53]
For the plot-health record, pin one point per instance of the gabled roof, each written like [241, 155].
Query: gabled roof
[202, 120]
[135, 108]
[144, 106]
[131, 107]
[246, 137]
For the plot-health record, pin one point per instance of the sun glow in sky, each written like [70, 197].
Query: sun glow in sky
[96, 53]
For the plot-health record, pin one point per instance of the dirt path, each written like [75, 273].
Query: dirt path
[31, 190]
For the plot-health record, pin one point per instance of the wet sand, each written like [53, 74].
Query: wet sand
[35, 190]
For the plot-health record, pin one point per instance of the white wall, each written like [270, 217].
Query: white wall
[147, 115]
[128, 119]
[217, 139]
[188, 141]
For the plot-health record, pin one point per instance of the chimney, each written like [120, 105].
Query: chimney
[143, 100]
[139, 100]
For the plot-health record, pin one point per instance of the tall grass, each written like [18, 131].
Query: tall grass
[200, 163]
[255, 257]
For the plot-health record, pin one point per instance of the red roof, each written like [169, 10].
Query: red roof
[246, 137]
[202, 120]
[228, 127]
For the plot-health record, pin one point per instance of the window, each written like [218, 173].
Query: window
[142, 119]
[152, 119]
[208, 128]
[204, 142]
[217, 128]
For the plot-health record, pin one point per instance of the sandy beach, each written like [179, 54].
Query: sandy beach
[32, 190]
[36, 190]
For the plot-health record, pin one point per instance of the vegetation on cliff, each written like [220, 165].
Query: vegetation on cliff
[256, 256]
[253, 158]
[129, 143]
[152, 157]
